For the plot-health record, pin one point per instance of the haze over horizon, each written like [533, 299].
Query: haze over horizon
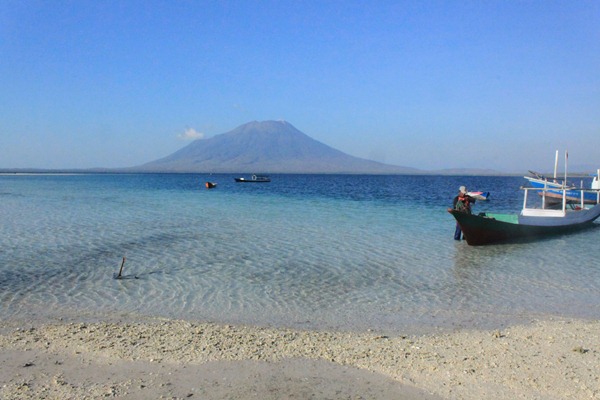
[491, 85]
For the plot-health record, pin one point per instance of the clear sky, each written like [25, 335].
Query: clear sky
[426, 84]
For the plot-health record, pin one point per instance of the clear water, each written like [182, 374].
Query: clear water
[308, 251]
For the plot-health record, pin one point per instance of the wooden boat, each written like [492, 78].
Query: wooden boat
[254, 179]
[531, 223]
[555, 188]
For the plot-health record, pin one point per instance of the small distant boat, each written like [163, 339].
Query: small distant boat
[254, 179]
[532, 222]
[210, 185]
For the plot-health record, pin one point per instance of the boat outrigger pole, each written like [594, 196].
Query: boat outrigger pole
[566, 162]
[555, 165]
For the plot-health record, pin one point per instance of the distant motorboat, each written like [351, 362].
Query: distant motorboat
[210, 185]
[254, 179]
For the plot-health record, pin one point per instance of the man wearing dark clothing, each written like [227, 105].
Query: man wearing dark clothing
[462, 202]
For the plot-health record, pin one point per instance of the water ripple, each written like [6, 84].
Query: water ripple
[342, 252]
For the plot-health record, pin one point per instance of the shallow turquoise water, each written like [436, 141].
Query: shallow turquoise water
[319, 252]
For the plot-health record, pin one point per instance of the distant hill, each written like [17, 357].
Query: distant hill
[470, 171]
[266, 147]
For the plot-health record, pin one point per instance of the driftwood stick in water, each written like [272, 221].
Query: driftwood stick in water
[121, 270]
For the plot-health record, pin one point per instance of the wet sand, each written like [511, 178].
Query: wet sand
[553, 359]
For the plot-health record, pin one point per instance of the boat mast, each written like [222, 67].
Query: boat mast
[566, 162]
[555, 165]
[565, 181]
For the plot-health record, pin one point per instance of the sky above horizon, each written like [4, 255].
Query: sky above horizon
[430, 85]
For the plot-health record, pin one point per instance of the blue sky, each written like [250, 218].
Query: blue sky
[436, 84]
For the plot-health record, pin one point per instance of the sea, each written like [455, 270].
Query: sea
[318, 252]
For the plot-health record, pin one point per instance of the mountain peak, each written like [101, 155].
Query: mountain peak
[264, 127]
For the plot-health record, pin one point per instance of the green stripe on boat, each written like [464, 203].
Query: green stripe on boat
[510, 218]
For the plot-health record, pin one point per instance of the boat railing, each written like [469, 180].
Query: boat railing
[563, 190]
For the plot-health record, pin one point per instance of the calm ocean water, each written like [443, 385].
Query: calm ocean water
[307, 251]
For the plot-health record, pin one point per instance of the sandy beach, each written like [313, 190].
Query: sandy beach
[552, 359]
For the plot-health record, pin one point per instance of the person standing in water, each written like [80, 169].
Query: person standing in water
[462, 202]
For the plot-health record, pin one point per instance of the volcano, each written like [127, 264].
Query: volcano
[266, 147]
